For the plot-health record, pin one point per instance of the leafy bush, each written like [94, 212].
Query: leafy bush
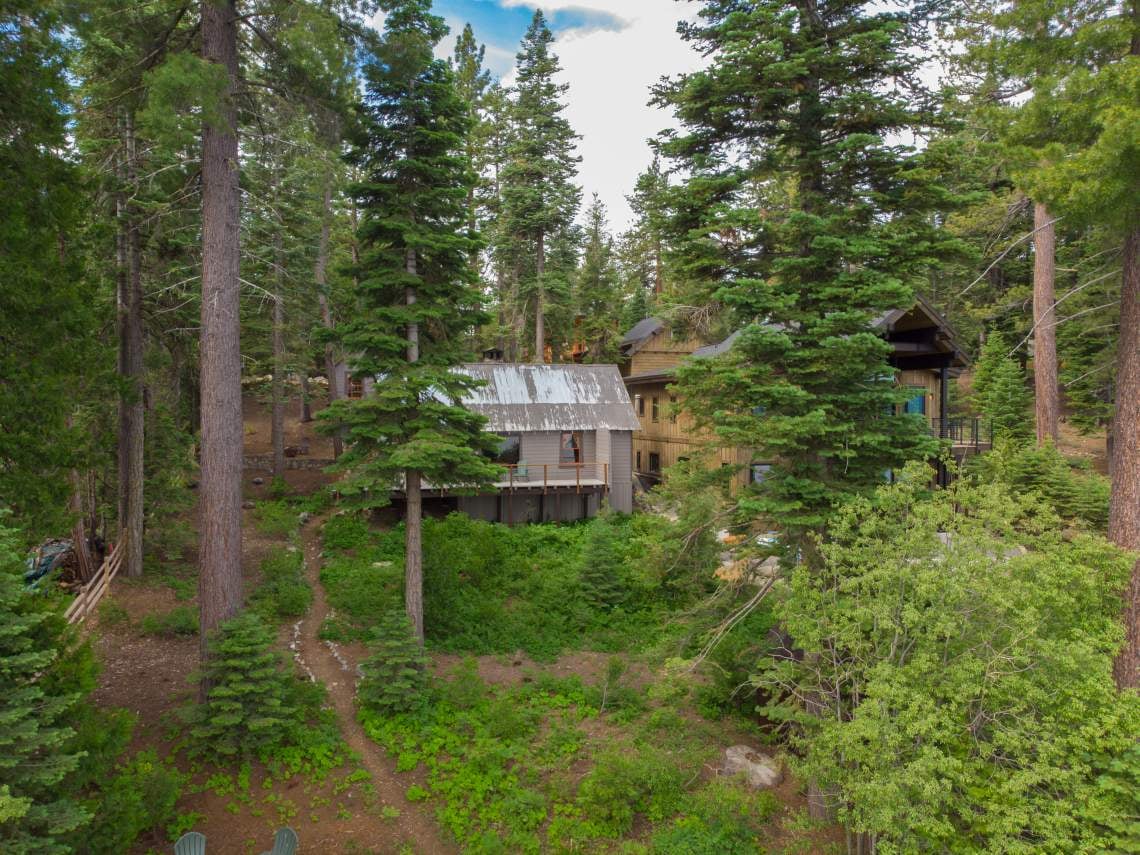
[346, 531]
[140, 797]
[275, 518]
[395, 673]
[487, 588]
[631, 781]
[182, 620]
[283, 592]
[981, 641]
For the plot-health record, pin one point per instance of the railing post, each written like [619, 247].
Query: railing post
[511, 476]
[578, 477]
[545, 467]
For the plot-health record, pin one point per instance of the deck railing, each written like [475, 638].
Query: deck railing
[968, 431]
[548, 475]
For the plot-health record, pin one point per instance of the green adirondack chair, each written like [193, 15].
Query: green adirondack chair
[284, 843]
[191, 843]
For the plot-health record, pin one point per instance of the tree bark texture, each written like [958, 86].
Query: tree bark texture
[320, 276]
[413, 522]
[1047, 393]
[278, 419]
[219, 581]
[131, 406]
[539, 296]
[1124, 509]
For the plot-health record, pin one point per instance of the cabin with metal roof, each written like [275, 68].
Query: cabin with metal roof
[567, 435]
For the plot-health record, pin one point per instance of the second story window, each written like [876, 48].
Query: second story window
[673, 409]
[656, 410]
[654, 462]
[355, 388]
[509, 449]
[570, 448]
[640, 405]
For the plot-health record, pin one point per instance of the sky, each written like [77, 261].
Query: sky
[612, 52]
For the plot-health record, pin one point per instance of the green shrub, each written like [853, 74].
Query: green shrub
[254, 706]
[275, 518]
[139, 798]
[628, 782]
[1075, 492]
[395, 672]
[283, 592]
[112, 613]
[279, 488]
[181, 620]
[346, 531]
[603, 574]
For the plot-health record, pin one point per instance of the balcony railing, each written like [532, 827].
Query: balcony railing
[966, 431]
[524, 475]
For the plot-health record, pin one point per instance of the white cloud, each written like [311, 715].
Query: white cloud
[610, 74]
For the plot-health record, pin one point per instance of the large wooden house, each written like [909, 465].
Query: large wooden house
[924, 354]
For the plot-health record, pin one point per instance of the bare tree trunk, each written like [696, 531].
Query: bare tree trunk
[219, 580]
[1047, 397]
[131, 406]
[278, 420]
[306, 406]
[320, 275]
[539, 319]
[413, 522]
[1124, 509]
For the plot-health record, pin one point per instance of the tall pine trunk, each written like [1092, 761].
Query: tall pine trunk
[414, 519]
[1047, 394]
[131, 408]
[539, 318]
[277, 429]
[320, 275]
[1124, 510]
[219, 580]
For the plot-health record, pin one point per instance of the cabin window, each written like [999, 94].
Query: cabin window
[758, 472]
[638, 467]
[656, 410]
[654, 461]
[917, 402]
[508, 453]
[570, 448]
[640, 405]
[673, 409]
[355, 388]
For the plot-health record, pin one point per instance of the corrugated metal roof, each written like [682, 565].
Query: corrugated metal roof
[523, 397]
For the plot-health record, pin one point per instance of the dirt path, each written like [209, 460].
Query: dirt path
[330, 667]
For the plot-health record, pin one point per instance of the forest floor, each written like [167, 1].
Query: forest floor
[145, 635]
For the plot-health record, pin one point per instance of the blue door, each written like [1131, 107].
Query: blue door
[917, 404]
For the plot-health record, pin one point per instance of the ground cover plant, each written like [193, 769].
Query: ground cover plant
[495, 589]
[540, 766]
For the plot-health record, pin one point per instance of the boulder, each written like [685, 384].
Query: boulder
[258, 481]
[761, 771]
[304, 518]
[248, 505]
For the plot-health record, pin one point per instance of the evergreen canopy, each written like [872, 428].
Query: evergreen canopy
[802, 220]
[414, 270]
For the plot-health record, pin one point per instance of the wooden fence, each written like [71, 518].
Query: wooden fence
[90, 593]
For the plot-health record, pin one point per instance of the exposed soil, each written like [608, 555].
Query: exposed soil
[328, 665]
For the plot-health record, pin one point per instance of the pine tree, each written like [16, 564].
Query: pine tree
[804, 219]
[34, 740]
[598, 297]
[539, 196]
[416, 298]
[1000, 392]
[604, 585]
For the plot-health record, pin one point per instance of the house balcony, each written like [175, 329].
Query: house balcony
[966, 434]
[525, 477]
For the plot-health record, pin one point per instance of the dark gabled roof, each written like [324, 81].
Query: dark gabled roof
[642, 331]
[530, 397]
[718, 348]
